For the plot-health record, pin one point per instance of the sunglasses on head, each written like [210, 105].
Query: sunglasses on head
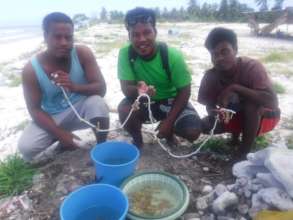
[139, 19]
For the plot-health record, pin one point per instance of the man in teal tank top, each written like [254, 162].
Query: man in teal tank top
[61, 65]
[147, 72]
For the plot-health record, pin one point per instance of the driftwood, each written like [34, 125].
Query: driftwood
[267, 29]
[283, 17]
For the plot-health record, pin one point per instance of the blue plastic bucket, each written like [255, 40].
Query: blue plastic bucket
[95, 201]
[114, 161]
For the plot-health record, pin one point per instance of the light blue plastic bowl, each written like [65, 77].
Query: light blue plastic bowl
[95, 201]
[114, 161]
[176, 189]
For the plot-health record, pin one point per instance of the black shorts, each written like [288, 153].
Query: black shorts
[187, 119]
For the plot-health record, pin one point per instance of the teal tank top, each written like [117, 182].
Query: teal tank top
[53, 100]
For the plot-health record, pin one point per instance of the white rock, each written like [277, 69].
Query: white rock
[268, 180]
[276, 198]
[220, 189]
[239, 191]
[242, 181]
[247, 169]
[257, 205]
[247, 193]
[206, 169]
[256, 187]
[243, 209]
[280, 163]
[225, 200]
[207, 189]
[202, 203]
[201, 213]
[259, 157]
[231, 187]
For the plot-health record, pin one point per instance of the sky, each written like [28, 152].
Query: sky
[31, 12]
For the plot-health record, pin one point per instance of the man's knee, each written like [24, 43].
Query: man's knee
[95, 106]
[207, 124]
[191, 134]
[189, 127]
[25, 148]
[33, 141]
[124, 108]
[250, 107]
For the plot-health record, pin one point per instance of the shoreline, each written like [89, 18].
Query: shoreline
[14, 50]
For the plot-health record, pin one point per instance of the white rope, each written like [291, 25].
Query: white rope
[136, 103]
[74, 109]
[194, 152]
[135, 106]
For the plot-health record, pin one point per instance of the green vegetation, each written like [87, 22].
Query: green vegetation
[21, 126]
[107, 46]
[278, 88]
[261, 142]
[288, 123]
[220, 145]
[278, 57]
[215, 144]
[15, 175]
[14, 80]
[224, 10]
[281, 69]
[290, 142]
[286, 71]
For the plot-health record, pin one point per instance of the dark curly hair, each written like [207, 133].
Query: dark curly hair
[139, 14]
[55, 17]
[218, 35]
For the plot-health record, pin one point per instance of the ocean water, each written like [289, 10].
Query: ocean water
[16, 41]
[10, 34]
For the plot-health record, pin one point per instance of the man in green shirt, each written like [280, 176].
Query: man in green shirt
[142, 69]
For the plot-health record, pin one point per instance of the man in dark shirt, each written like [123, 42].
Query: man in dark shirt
[238, 83]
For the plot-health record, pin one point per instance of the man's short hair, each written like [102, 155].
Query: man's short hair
[140, 15]
[55, 17]
[218, 35]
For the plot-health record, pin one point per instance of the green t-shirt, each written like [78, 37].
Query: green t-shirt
[152, 72]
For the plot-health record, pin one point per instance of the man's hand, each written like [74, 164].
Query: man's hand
[62, 79]
[224, 115]
[66, 139]
[223, 98]
[165, 129]
[143, 88]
